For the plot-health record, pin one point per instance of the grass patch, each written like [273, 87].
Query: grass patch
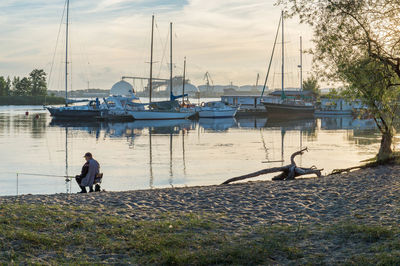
[78, 235]
[364, 233]
[36, 234]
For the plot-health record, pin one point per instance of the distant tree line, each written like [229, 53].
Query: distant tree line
[33, 85]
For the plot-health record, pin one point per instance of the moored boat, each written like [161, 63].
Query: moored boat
[89, 111]
[285, 106]
[216, 109]
[289, 108]
[161, 111]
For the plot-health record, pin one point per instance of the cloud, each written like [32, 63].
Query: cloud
[110, 38]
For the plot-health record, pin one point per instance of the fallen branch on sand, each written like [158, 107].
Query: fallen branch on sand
[347, 170]
[289, 172]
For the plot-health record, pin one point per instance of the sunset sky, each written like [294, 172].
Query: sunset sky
[230, 39]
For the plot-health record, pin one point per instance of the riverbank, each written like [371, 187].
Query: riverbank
[31, 100]
[350, 218]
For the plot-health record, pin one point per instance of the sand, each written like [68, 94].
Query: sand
[368, 195]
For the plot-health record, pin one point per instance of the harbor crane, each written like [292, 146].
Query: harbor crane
[208, 78]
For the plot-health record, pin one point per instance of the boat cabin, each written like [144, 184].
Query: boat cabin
[215, 104]
[295, 95]
[245, 101]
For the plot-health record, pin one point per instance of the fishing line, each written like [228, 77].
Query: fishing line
[67, 178]
[47, 175]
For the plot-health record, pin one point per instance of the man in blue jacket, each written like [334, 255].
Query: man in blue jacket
[89, 172]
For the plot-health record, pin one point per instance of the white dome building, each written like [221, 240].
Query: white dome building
[122, 88]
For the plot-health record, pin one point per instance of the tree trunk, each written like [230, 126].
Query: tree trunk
[385, 151]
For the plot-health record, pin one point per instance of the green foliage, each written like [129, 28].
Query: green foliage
[376, 85]
[22, 86]
[5, 86]
[356, 43]
[334, 94]
[38, 82]
[311, 84]
[33, 85]
[350, 30]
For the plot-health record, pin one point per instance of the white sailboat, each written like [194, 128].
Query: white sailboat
[216, 109]
[161, 110]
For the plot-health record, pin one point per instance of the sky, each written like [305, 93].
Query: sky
[230, 39]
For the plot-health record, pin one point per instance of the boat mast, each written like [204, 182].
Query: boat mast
[283, 60]
[258, 77]
[183, 85]
[66, 55]
[272, 56]
[301, 64]
[151, 60]
[170, 62]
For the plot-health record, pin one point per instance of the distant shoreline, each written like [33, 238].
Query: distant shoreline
[30, 100]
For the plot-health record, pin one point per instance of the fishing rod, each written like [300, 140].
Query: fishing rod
[67, 178]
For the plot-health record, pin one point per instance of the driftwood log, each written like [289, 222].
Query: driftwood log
[289, 172]
[347, 170]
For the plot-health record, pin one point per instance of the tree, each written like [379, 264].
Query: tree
[373, 82]
[5, 85]
[8, 86]
[311, 84]
[357, 43]
[38, 82]
[21, 87]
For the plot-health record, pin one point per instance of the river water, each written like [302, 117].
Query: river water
[157, 154]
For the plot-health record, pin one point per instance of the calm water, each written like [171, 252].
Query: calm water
[140, 155]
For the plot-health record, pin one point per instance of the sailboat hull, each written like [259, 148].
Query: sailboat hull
[217, 113]
[160, 115]
[282, 109]
[72, 113]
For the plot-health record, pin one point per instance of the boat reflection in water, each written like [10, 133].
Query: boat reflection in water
[251, 122]
[218, 124]
[126, 129]
[305, 124]
[346, 122]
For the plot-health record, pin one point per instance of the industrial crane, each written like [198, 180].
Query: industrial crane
[208, 78]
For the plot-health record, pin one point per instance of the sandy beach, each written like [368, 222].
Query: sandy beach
[370, 195]
[343, 219]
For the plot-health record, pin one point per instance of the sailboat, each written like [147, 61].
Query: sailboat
[92, 109]
[284, 106]
[166, 109]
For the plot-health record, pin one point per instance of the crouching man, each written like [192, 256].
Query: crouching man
[88, 174]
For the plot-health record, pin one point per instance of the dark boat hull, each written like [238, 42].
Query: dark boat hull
[284, 109]
[62, 113]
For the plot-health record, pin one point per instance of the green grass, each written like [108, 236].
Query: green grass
[30, 100]
[36, 234]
